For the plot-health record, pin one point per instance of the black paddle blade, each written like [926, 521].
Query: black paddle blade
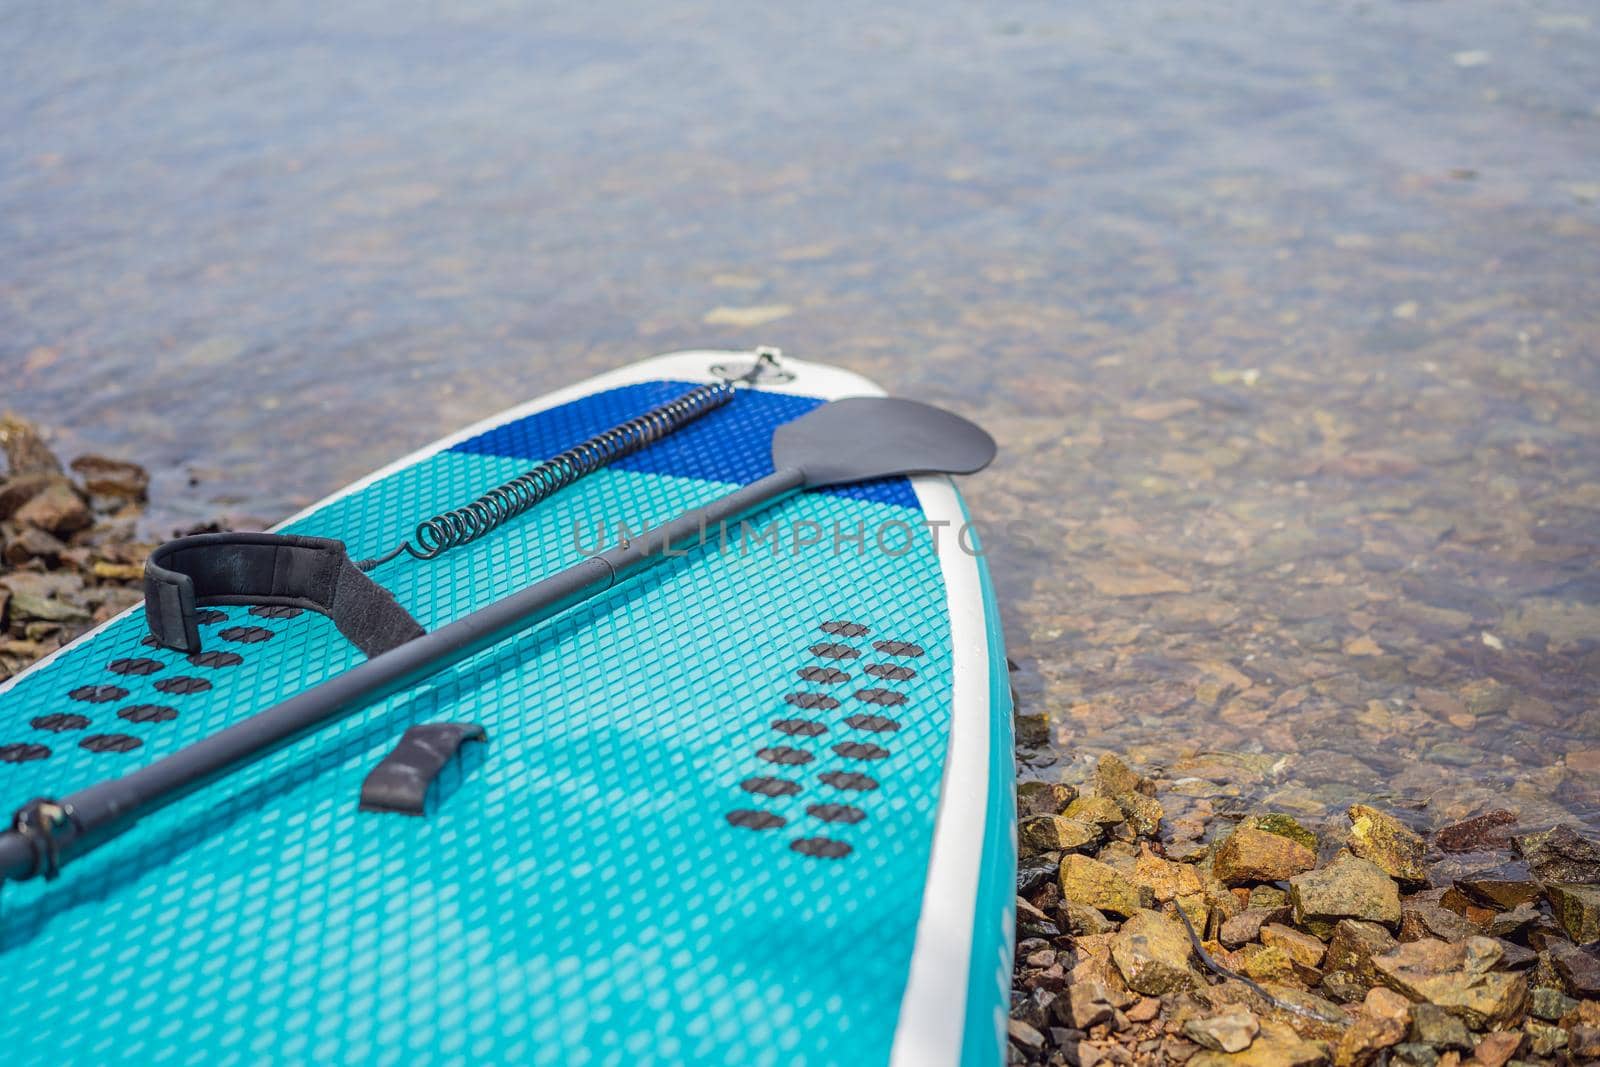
[867, 437]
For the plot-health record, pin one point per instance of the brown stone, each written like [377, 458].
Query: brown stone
[1254, 855]
[1489, 831]
[1348, 888]
[1561, 855]
[1303, 949]
[1584, 1042]
[1043, 798]
[1494, 1050]
[1382, 1022]
[1101, 811]
[26, 452]
[1501, 888]
[115, 478]
[1352, 946]
[1113, 778]
[1097, 885]
[1276, 1045]
[17, 491]
[1577, 909]
[57, 509]
[1579, 969]
[1421, 918]
[1383, 839]
[1264, 963]
[1164, 880]
[1055, 833]
[1458, 977]
[1246, 926]
[1143, 814]
[1086, 1004]
[1152, 954]
[1230, 1031]
[29, 543]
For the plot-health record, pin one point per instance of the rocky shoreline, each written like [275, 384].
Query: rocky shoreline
[71, 556]
[1354, 943]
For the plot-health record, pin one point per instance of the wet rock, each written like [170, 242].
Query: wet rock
[1583, 1042]
[1433, 1025]
[1421, 916]
[1413, 1054]
[1458, 977]
[1163, 879]
[1481, 833]
[1034, 872]
[57, 509]
[1501, 888]
[26, 452]
[1031, 922]
[1510, 923]
[1342, 987]
[1152, 954]
[1303, 949]
[1276, 822]
[1055, 833]
[1544, 1039]
[1231, 1031]
[30, 543]
[1044, 798]
[1114, 778]
[115, 479]
[1085, 1004]
[1561, 855]
[1276, 1045]
[1251, 854]
[1579, 969]
[29, 605]
[1353, 945]
[1097, 811]
[17, 491]
[1577, 909]
[1381, 1023]
[1024, 1035]
[1348, 888]
[1487, 697]
[1147, 1008]
[1094, 884]
[1142, 813]
[1266, 963]
[1383, 839]
[1494, 1050]
[1085, 921]
[1515, 957]
[1268, 896]
[1550, 1004]
[1246, 926]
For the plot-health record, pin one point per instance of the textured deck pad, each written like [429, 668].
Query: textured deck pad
[699, 830]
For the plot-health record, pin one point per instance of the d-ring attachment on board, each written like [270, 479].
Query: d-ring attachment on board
[766, 369]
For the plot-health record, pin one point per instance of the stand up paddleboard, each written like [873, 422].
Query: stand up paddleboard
[750, 805]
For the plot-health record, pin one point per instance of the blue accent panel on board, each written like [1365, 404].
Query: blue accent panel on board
[727, 445]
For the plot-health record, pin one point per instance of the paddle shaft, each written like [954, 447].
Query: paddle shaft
[108, 808]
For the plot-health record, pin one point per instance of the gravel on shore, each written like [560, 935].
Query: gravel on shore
[1354, 943]
[71, 555]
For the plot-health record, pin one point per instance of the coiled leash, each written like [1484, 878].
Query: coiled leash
[498, 506]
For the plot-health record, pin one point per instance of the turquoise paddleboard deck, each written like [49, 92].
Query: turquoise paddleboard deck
[752, 806]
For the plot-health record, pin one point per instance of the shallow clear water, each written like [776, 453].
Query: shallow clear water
[1286, 316]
